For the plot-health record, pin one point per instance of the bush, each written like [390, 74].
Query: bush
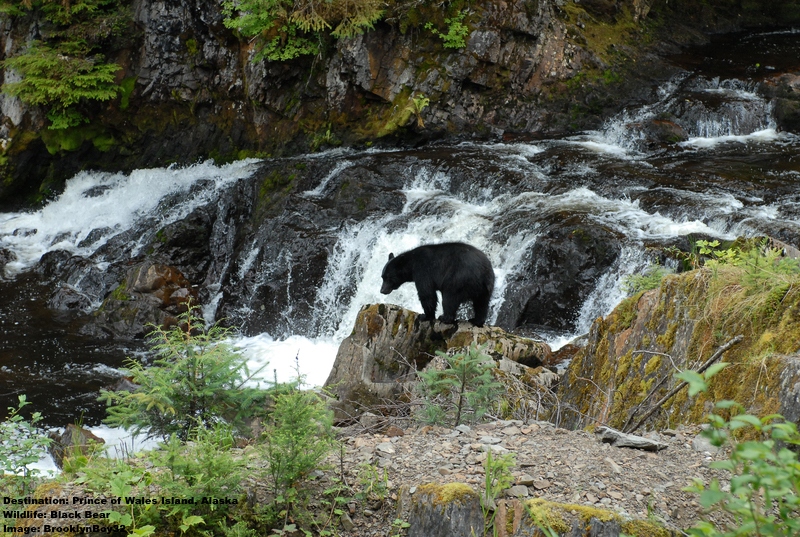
[22, 443]
[465, 390]
[286, 29]
[297, 437]
[763, 497]
[197, 380]
[61, 77]
[66, 70]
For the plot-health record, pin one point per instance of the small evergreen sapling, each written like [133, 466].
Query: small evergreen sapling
[22, 443]
[198, 379]
[465, 388]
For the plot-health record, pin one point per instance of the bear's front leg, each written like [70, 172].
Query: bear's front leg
[429, 300]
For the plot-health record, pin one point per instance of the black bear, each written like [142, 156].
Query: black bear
[460, 271]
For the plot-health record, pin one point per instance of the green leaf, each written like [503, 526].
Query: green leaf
[714, 369]
[696, 382]
[710, 497]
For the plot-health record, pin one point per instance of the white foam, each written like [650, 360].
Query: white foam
[281, 358]
[764, 135]
[110, 204]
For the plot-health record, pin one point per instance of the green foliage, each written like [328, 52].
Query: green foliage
[497, 478]
[318, 140]
[286, 29]
[649, 278]
[419, 103]
[61, 77]
[22, 443]
[65, 71]
[207, 471]
[206, 468]
[297, 437]
[374, 484]
[457, 31]
[197, 380]
[763, 497]
[465, 389]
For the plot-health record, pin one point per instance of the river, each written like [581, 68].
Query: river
[704, 159]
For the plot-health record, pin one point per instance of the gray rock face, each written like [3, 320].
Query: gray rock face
[389, 344]
[445, 511]
[618, 439]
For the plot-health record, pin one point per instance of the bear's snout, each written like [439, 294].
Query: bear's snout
[386, 288]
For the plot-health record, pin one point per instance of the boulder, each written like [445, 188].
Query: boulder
[452, 510]
[389, 344]
[74, 440]
[150, 293]
[632, 354]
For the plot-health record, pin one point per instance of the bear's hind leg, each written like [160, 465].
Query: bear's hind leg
[481, 307]
[450, 306]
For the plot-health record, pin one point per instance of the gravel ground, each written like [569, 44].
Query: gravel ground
[551, 463]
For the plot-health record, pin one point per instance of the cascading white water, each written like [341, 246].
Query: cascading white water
[97, 206]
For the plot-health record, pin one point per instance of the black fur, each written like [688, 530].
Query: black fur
[461, 272]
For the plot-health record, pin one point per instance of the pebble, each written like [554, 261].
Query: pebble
[551, 463]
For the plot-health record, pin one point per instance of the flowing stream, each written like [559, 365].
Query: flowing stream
[733, 174]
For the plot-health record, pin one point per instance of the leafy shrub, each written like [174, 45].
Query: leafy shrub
[198, 379]
[649, 278]
[286, 29]
[297, 436]
[457, 31]
[61, 78]
[763, 497]
[22, 443]
[465, 389]
[65, 70]
[205, 468]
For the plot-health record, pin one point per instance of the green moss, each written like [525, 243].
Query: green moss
[119, 293]
[126, 89]
[643, 528]
[443, 495]
[547, 514]
[652, 365]
[667, 339]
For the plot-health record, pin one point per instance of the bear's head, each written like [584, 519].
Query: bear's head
[392, 277]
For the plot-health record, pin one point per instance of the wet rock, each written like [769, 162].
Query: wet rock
[73, 441]
[5, 257]
[558, 273]
[150, 294]
[68, 298]
[389, 344]
[620, 439]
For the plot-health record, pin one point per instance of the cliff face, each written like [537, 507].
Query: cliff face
[632, 355]
[191, 91]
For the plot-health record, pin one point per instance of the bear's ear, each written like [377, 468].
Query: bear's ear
[391, 256]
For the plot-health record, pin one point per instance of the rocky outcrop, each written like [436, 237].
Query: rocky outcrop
[455, 509]
[74, 441]
[632, 354]
[389, 345]
[192, 91]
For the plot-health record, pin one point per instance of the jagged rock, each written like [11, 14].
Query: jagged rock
[73, 440]
[150, 294]
[566, 259]
[389, 344]
[452, 510]
[635, 350]
[619, 439]
[6, 256]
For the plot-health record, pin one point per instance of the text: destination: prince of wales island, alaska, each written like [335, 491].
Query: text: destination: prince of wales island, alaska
[82, 500]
